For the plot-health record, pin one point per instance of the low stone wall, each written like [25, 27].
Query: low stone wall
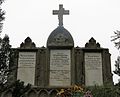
[34, 92]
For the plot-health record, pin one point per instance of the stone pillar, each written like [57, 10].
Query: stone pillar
[79, 68]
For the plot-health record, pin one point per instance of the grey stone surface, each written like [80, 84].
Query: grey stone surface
[26, 67]
[60, 68]
[43, 57]
[93, 69]
[60, 37]
[27, 44]
[60, 14]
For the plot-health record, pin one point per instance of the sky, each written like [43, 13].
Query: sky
[88, 18]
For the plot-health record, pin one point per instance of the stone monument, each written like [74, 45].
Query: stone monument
[60, 46]
[60, 64]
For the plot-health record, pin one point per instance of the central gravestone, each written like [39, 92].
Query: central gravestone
[60, 45]
[60, 68]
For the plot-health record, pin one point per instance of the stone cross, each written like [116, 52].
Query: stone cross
[60, 14]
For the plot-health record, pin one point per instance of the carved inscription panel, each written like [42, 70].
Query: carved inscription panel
[93, 69]
[26, 67]
[60, 68]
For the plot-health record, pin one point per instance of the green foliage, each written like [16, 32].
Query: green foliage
[117, 66]
[105, 91]
[19, 88]
[2, 13]
[92, 91]
[5, 57]
[116, 40]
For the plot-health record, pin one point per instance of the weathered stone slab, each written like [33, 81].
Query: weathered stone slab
[26, 67]
[93, 69]
[60, 68]
[27, 59]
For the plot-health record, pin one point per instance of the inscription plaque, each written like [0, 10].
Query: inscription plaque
[93, 69]
[60, 68]
[26, 67]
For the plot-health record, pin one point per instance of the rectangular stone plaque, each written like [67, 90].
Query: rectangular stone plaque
[26, 67]
[60, 68]
[93, 69]
[27, 59]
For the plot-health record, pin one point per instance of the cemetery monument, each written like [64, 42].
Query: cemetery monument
[60, 64]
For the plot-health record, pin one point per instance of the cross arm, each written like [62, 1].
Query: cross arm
[55, 12]
[66, 12]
